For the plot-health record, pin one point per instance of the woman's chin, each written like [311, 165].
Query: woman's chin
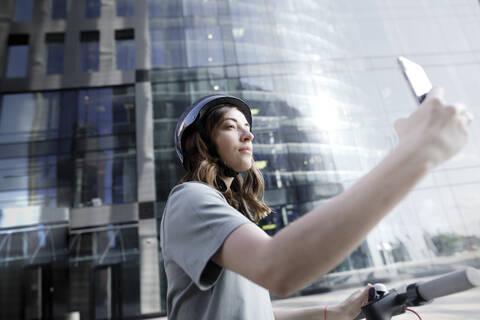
[243, 167]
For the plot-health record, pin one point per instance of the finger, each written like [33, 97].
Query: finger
[470, 116]
[466, 117]
[462, 112]
[365, 293]
[461, 108]
[436, 93]
[364, 290]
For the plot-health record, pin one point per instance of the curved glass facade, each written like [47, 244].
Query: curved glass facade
[90, 93]
[325, 89]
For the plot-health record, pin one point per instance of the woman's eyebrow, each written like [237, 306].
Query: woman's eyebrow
[233, 119]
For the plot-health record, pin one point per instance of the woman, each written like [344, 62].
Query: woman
[219, 264]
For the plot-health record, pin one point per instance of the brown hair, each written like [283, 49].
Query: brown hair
[245, 193]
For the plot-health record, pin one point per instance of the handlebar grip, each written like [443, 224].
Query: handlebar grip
[450, 283]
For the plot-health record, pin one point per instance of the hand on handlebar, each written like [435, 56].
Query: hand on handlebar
[383, 305]
[350, 307]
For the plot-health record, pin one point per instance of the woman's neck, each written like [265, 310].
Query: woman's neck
[228, 181]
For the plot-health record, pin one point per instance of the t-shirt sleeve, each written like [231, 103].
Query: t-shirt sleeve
[197, 221]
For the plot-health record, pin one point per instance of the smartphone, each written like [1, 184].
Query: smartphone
[416, 78]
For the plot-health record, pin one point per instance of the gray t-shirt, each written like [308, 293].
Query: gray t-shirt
[196, 221]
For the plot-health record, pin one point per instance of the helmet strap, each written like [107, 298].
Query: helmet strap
[224, 169]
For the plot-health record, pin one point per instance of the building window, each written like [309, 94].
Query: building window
[17, 61]
[59, 9]
[105, 111]
[22, 186]
[92, 8]
[49, 139]
[28, 117]
[105, 177]
[154, 8]
[168, 47]
[125, 8]
[161, 8]
[125, 49]
[23, 10]
[203, 46]
[55, 50]
[90, 50]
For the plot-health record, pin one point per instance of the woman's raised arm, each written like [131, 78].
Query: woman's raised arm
[318, 241]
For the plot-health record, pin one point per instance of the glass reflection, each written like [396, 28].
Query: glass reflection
[52, 139]
[29, 116]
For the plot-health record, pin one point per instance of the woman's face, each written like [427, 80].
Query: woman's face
[233, 140]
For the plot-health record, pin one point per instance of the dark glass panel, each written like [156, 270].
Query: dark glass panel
[125, 54]
[130, 239]
[104, 293]
[55, 53]
[125, 8]
[163, 133]
[110, 276]
[92, 8]
[105, 178]
[95, 114]
[106, 111]
[23, 10]
[11, 246]
[16, 248]
[170, 106]
[17, 61]
[89, 51]
[168, 172]
[123, 110]
[68, 113]
[59, 9]
[86, 245]
[42, 246]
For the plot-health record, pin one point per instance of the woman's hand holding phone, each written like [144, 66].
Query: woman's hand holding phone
[436, 131]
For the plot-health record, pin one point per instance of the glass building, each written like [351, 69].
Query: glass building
[90, 92]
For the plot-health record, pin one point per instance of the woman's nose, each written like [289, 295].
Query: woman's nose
[247, 135]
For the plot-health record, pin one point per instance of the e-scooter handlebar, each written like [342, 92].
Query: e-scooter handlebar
[451, 283]
[383, 306]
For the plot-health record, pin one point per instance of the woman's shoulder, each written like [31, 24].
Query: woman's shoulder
[193, 188]
[192, 195]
